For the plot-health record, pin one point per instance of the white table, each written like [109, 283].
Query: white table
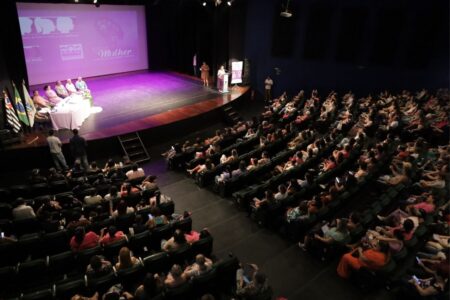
[70, 113]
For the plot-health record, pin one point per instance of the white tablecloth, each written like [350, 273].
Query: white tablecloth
[70, 113]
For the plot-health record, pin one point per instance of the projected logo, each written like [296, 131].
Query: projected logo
[45, 26]
[71, 52]
[109, 30]
[32, 53]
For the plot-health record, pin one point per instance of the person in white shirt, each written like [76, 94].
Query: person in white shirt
[93, 198]
[202, 264]
[54, 143]
[71, 87]
[282, 193]
[268, 89]
[135, 172]
[22, 211]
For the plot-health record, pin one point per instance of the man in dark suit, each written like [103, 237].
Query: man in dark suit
[78, 147]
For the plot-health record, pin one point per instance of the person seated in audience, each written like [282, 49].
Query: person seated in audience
[102, 183]
[70, 87]
[282, 193]
[22, 211]
[135, 172]
[174, 150]
[110, 167]
[121, 210]
[361, 173]
[200, 168]
[233, 157]
[117, 175]
[224, 176]
[113, 195]
[36, 177]
[49, 205]
[82, 240]
[395, 241]
[242, 169]
[438, 243]
[96, 296]
[307, 182]
[215, 139]
[396, 178]
[250, 134]
[336, 233]
[194, 236]
[433, 181]
[54, 175]
[125, 259]
[373, 259]
[93, 168]
[426, 205]
[435, 285]
[61, 90]
[156, 218]
[51, 95]
[174, 243]
[7, 238]
[328, 164]
[257, 286]
[93, 198]
[98, 267]
[149, 183]
[39, 101]
[175, 277]
[76, 170]
[268, 199]
[150, 287]
[112, 235]
[202, 265]
[265, 159]
[128, 189]
[77, 220]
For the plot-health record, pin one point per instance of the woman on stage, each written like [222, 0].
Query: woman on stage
[205, 74]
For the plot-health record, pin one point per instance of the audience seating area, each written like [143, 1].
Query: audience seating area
[397, 157]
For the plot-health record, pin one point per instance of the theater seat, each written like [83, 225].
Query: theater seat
[157, 263]
[131, 277]
[159, 233]
[111, 251]
[140, 243]
[32, 273]
[61, 264]
[206, 283]
[182, 292]
[84, 256]
[203, 246]
[38, 295]
[182, 255]
[101, 284]
[67, 290]
[184, 225]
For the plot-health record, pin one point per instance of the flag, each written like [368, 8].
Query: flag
[19, 107]
[11, 117]
[29, 105]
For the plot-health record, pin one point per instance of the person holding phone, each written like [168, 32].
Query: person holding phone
[252, 283]
[372, 259]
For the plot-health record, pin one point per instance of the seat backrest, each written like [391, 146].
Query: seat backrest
[67, 290]
[183, 291]
[181, 255]
[61, 263]
[184, 225]
[85, 255]
[157, 263]
[38, 295]
[203, 246]
[56, 242]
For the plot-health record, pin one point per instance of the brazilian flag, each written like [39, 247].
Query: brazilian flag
[20, 109]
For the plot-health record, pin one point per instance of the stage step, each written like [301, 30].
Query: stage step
[133, 147]
[231, 116]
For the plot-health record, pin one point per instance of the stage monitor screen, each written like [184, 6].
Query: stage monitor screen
[64, 41]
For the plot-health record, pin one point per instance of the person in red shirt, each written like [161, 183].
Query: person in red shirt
[113, 235]
[82, 240]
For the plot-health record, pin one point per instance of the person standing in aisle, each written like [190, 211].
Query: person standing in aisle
[78, 147]
[54, 143]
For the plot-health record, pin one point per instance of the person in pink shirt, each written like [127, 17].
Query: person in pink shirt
[427, 206]
[51, 95]
[82, 240]
[113, 235]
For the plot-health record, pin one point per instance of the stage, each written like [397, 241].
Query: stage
[137, 101]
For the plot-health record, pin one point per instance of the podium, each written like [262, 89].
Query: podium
[222, 83]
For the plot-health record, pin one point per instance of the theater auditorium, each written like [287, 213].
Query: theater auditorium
[224, 149]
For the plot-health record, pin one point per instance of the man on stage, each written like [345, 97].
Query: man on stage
[71, 87]
[220, 74]
[83, 89]
[268, 89]
[61, 90]
[51, 95]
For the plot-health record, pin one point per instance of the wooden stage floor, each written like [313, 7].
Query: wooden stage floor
[141, 100]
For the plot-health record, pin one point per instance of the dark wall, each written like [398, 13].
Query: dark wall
[361, 45]
[177, 29]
